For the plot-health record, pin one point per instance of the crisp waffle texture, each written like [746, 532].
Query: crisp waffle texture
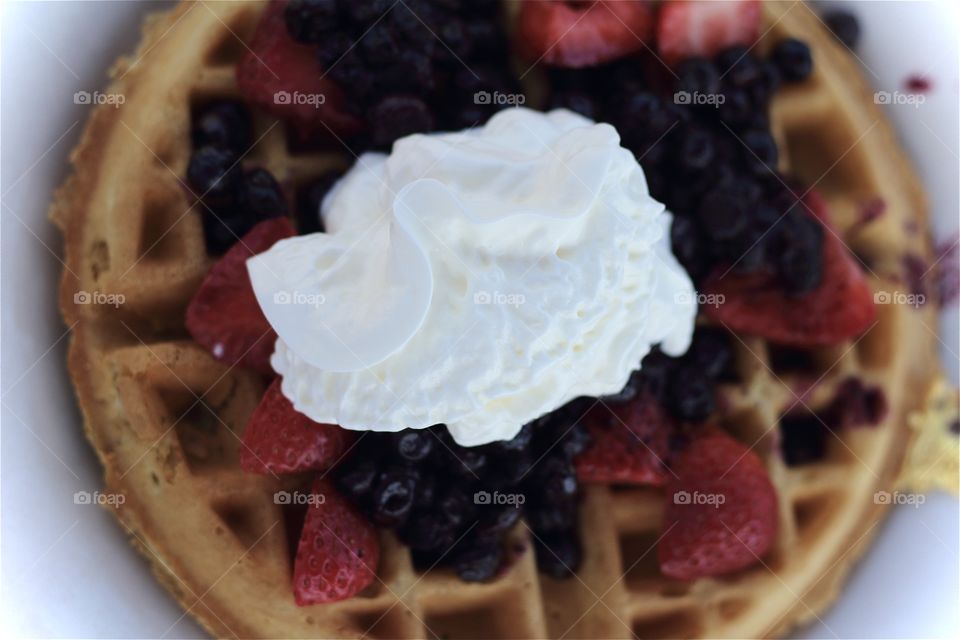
[165, 417]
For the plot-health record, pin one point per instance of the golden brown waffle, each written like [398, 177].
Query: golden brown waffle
[164, 417]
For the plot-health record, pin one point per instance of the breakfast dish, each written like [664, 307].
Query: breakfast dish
[423, 413]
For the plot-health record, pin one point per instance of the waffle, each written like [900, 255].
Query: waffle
[165, 417]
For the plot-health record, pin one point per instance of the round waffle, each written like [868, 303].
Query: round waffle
[164, 416]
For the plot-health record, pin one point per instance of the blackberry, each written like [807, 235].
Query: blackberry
[844, 26]
[308, 21]
[793, 59]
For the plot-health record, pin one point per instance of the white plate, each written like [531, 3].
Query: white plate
[68, 570]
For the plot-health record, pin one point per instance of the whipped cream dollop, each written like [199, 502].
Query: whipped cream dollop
[478, 279]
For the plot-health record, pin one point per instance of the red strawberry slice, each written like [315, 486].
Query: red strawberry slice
[338, 552]
[283, 77]
[224, 316]
[841, 307]
[629, 443]
[279, 439]
[583, 34]
[688, 28]
[721, 513]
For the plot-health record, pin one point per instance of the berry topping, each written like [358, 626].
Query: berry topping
[279, 439]
[225, 124]
[224, 316]
[283, 77]
[844, 26]
[397, 116]
[721, 512]
[793, 59]
[338, 552]
[838, 307]
[583, 34]
[629, 443]
[558, 554]
[688, 28]
[308, 20]
[261, 196]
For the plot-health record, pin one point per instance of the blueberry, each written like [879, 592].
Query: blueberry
[800, 257]
[559, 555]
[358, 482]
[575, 441]
[261, 196]
[655, 371]
[578, 101]
[736, 110]
[394, 497]
[844, 26]
[333, 47]
[555, 478]
[793, 59]
[426, 490]
[697, 75]
[367, 11]
[223, 123]
[397, 116]
[467, 463]
[413, 445]
[547, 518]
[691, 394]
[711, 351]
[743, 71]
[310, 20]
[428, 532]
[687, 245]
[496, 523]
[212, 173]
[722, 213]
[762, 158]
[221, 231]
[695, 151]
[477, 562]
[309, 199]
[457, 506]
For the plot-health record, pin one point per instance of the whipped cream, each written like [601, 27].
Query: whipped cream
[479, 279]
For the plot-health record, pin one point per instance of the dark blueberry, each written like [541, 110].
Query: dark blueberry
[428, 532]
[656, 370]
[518, 444]
[800, 255]
[310, 20]
[221, 231]
[646, 117]
[467, 463]
[309, 199]
[479, 562]
[223, 123]
[426, 491]
[735, 110]
[793, 60]
[546, 518]
[579, 101]
[629, 391]
[350, 71]
[397, 116]
[695, 151]
[413, 445]
[751, 251]
[394, 497]
[332, 48]
[555, 478]
[455, 41]
[744, 72]
[697, 75]
[559, 554]
[261, 195]
[727, 59]
[575, 441]
[691, 394]
[367, 11]
[378, 45]
[408, 71]
[457, 506]
[844, 26]
[358, 482]
[495, 523]
[485, 36]
[723, 213]
[687, 244]
[762, 158]
[711, 351]
[213, 174]
[762, 91]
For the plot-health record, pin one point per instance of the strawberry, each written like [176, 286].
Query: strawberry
[338, 551]
[564, 34]
[224, 316]
[629, 443]
[277, 71]
[721, 512]
[840, 307]
[280, 439]
[689, 28]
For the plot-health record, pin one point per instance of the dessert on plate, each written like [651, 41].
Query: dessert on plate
[499, 319]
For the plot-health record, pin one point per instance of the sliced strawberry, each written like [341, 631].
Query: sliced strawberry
[583, 34]
[841, 307]
[629, 443]
[279, 439]
[689, 28]
[721, 512]
[284, 78]
[224, 316]
[338, 552]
